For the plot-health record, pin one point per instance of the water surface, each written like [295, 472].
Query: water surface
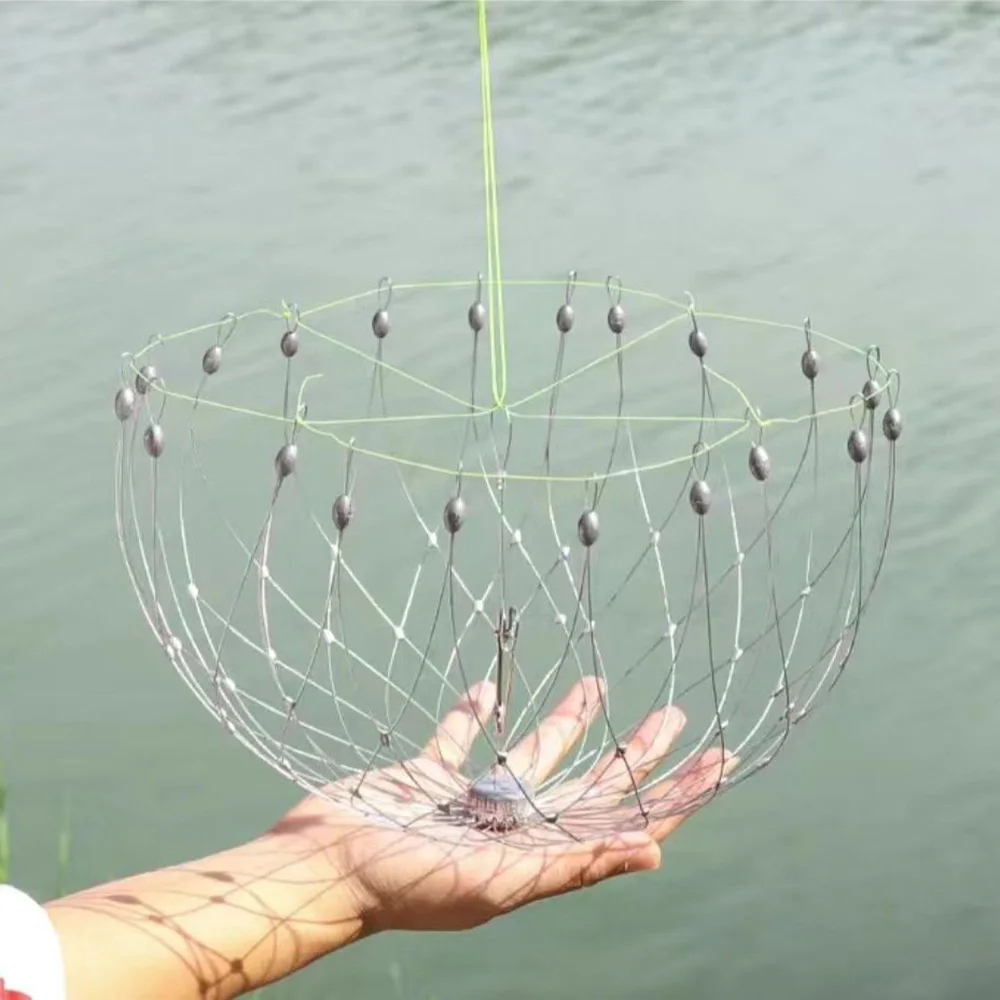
[165, 163]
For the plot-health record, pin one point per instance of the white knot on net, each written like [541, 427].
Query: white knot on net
[342, 523]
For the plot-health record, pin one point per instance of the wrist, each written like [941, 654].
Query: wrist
[330, 847]
[327, 904]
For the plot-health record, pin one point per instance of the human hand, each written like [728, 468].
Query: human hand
[439, 874]
[328, 874]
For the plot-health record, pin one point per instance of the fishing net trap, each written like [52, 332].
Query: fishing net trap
[338, 529]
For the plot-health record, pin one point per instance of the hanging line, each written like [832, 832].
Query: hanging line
[497, 332]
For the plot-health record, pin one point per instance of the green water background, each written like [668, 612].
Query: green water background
[161, 164]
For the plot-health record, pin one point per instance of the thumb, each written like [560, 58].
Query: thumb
[585, 865]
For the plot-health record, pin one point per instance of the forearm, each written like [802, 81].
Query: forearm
[209, 930]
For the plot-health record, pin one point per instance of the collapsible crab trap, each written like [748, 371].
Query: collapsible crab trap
[339, 520]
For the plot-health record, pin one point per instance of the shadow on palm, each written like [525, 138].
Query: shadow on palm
[417, 866]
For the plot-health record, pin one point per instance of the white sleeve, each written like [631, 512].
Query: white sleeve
[30, 955]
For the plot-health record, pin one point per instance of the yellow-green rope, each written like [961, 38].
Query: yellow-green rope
[494, 284]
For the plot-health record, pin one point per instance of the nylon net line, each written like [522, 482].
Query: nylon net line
[338, 521]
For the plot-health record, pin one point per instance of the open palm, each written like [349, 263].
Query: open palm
[439, 874]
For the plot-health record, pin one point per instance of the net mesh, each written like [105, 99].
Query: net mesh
[337, 522]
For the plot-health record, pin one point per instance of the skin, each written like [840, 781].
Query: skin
[325, 875]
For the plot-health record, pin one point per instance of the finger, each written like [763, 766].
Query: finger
[457, 731]
[618, 773]
[536, 756]
[679, 797]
